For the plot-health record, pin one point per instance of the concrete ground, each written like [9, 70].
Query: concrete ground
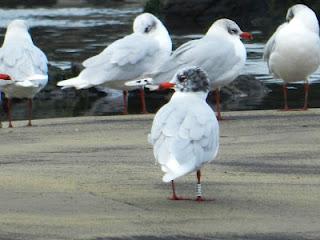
[95, 178]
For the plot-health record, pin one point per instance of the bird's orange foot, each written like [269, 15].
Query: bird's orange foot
[220, 118]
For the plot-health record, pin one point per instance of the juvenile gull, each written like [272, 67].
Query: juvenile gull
[185, 131]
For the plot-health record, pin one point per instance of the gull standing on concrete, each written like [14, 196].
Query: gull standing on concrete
[25, 64]
[220, 53]
[126, 59]
[293, 51]
[185, 131]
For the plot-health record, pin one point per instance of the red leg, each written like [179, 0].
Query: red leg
[174, 195]
[125, 102]
[285, 96]
[30, 112]
[217, 100]
[9, 105]
[143, 102]
[306, 95]
[199, 193]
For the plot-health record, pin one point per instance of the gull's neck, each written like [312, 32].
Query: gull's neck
[17, 35]
[163, 38]
[306, 18]
[196, 95]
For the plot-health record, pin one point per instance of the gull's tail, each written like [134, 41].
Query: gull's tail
[76, 82]
[145, 82]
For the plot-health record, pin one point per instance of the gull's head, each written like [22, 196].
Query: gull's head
[304, 15]
[149, 25]
[146, 23]
[230, 27]
[295, 10]
[18, 24]
[190, 79]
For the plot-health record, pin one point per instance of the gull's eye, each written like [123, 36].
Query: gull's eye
[290, 15]
[182, 78]
[148, 29]
[233, 31]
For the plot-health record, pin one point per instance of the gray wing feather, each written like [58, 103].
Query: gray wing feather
[271, 44]
[214, 55]
[268, 49]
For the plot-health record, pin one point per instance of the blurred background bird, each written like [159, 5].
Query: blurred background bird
[24, 63]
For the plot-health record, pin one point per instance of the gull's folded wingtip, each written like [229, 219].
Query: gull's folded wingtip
[138, 82]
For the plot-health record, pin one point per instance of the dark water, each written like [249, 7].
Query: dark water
[72, 34]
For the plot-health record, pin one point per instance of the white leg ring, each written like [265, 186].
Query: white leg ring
[198, 190]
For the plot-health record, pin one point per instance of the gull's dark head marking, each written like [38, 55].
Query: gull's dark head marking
[191, 79]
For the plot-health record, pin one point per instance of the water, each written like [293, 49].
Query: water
[72, 34]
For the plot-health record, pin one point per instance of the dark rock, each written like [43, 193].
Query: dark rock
[26, 3]
[249, 14]
[244, 92]
[154, 6]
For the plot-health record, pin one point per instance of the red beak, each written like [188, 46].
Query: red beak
[246, 35]
[4, 77]
[166, 85]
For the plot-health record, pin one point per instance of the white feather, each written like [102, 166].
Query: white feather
[181, 142]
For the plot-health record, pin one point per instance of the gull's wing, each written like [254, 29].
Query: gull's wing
[270, 45]
[22, 60]
[213, 54]
[128, 50]
[124, 59]
[184, 138]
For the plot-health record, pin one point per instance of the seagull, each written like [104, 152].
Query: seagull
[185, 131]
[126, 58]
[24, 66]
[220, 53]
[293, 51]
